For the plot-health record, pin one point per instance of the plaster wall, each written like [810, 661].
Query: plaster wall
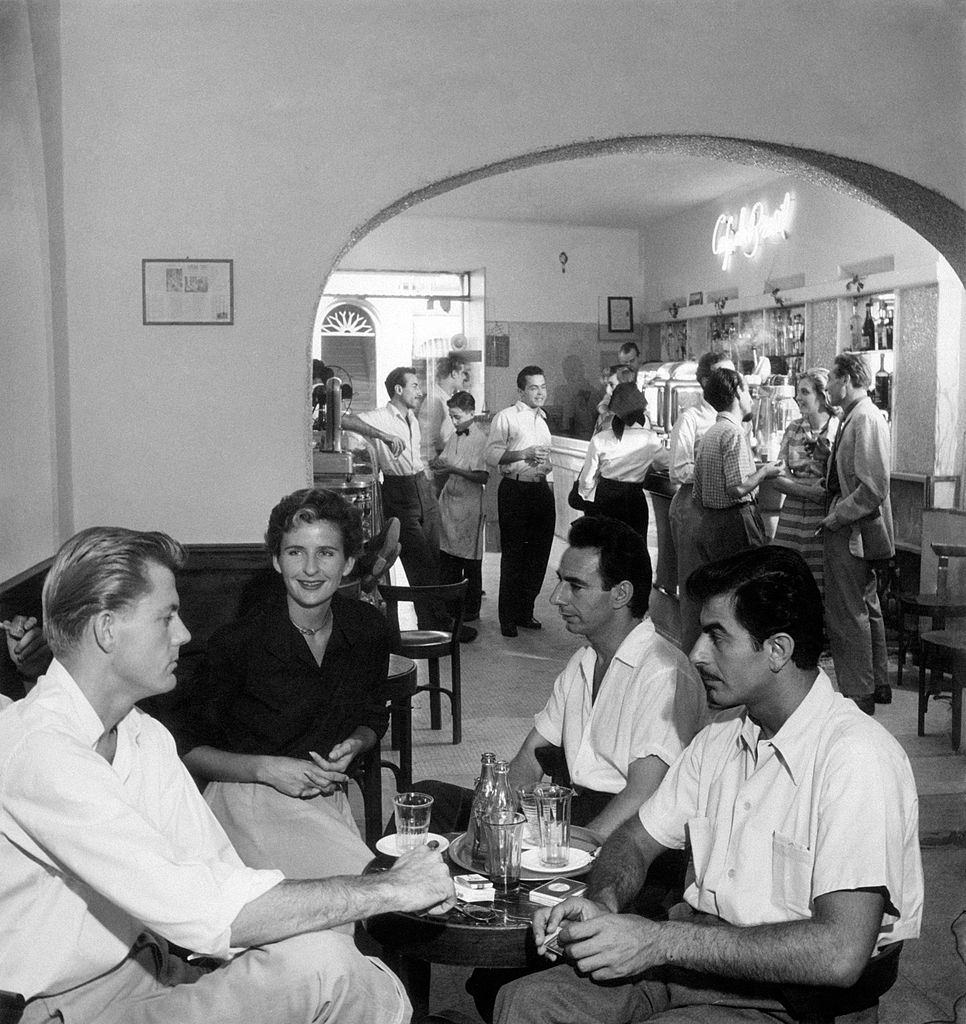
[269, 133]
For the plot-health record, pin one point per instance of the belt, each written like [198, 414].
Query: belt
[516, 478]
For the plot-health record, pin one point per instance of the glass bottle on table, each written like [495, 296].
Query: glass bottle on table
[503, 802]
[485, 786]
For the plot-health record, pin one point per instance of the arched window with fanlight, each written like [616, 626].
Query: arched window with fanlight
[348, 337]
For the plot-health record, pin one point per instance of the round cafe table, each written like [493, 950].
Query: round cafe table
[412, 943]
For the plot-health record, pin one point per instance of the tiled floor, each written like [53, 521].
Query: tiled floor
[505, 681]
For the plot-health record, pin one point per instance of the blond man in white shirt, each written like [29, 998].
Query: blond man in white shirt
[108, 851]
[802, 817]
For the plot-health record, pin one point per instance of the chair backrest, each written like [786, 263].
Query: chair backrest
[451, 595]
[944, 552]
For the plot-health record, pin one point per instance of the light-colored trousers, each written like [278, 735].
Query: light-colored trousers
[853, 619]
[310, 978]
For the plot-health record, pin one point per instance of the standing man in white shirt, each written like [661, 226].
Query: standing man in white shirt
[434, 422]
[684, 515]
[407, 493]
[519, 447]
[108, 850]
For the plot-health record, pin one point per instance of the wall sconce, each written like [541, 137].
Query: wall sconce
[855, 282]
[779, 301]
[563, 262]
[719, 305]
[673, 310]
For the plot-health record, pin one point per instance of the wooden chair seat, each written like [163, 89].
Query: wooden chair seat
[431, 645]
[952, 644]
[937, 606]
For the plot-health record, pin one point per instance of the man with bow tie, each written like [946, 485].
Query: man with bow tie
[462, 465]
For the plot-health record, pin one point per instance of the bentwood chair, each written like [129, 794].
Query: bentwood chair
[815, 1004]
[935, 605]
[432, 644]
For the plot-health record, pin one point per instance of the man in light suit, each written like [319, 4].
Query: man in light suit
[857, 532]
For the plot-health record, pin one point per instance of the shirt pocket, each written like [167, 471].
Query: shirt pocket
[791, 875]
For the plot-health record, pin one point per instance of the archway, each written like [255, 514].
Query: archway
[939, 220]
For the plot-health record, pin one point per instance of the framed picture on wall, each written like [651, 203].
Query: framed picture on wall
[695, 298]
[620, 314]
[198, 292]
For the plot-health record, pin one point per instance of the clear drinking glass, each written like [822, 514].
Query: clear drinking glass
[413, 811]
[528, 804]
[553, 813]
[504, 848]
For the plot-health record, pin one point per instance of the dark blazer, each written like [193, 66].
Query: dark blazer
[863, 460]
[261, 692]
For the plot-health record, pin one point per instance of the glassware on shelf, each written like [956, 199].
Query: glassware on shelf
[882, 392]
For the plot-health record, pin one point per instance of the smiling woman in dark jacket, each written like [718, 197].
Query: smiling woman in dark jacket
[287, 700]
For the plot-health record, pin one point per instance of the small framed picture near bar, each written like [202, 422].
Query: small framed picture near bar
[695, 298]
[620, 314]
[196, 292]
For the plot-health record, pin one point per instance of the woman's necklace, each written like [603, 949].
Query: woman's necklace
[318, 629]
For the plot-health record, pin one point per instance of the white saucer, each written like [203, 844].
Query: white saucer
[578, 859]
[387, 844]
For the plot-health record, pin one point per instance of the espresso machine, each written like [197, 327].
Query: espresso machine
[352, 473]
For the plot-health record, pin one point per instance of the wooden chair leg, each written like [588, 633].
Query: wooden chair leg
[456, 702]
[372, 797]
[435, 720]
[923, 696]
[901, 654]
[404, 779]
[956, 683]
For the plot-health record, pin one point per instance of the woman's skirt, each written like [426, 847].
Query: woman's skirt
[625, 502]
[797, 524]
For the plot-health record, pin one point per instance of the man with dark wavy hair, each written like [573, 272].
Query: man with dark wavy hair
[801, 815]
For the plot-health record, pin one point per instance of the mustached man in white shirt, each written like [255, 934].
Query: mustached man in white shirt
[108, 851]
[802, 817]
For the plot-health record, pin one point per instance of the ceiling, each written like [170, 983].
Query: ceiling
[618, 191]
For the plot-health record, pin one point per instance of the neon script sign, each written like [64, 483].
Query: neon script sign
[753, 226]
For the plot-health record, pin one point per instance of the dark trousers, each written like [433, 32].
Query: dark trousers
[412, 501]
[621, 501]
[452, 569]
[527, 519]
[726, 531]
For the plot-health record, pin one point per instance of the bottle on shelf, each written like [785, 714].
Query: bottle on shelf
[855, 328]
[868, 329]
[888, 328]
[482, 795]
[882, 394]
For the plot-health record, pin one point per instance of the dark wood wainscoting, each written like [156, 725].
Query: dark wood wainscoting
[217, 584]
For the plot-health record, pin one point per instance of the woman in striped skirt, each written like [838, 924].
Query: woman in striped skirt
[805, 448]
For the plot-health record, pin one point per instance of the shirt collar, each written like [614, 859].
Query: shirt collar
[734, 417]
[522, 406]
[629, 652]
[84, 718]
[794, 743]
[399, 415]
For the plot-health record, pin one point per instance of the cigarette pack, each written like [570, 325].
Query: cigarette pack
[555, 891]
[473, 888]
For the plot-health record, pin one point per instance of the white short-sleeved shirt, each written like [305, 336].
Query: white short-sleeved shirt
[650, 701]
[92, 853]
[514, 429]
[405, 426]
[827, 804]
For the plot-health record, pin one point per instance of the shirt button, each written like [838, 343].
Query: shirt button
[731, 872]
[747, 805]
